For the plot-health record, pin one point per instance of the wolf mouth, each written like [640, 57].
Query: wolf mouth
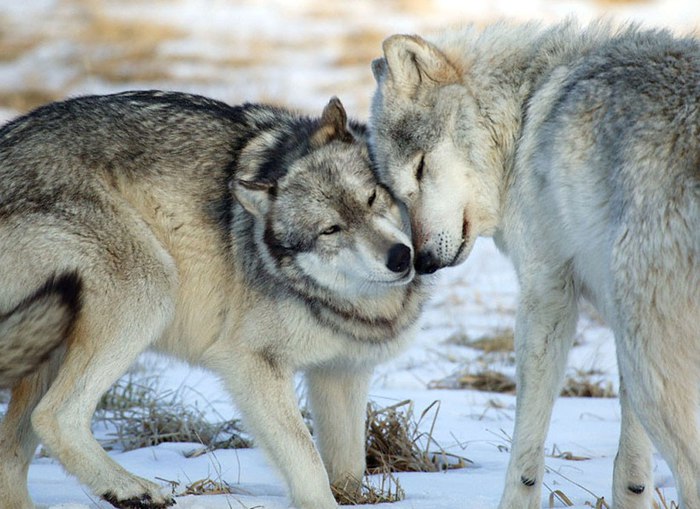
[407, 277]
[463, 244]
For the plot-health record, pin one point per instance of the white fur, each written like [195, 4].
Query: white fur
[570, 229]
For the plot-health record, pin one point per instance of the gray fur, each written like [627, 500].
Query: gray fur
[248, 240]
[36, 327]
[577, 150]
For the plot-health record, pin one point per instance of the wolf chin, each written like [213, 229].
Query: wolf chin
[578, 150]
[249, 240]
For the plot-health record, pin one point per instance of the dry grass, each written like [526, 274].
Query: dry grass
[663, 503]
[208, 487]
[141, 416]
[588, 384]
[395, 442]
[488, 381]
[501, 340]
[582, 384]
[387, 489]
[601, 503]
[359, 47]
[94, 46]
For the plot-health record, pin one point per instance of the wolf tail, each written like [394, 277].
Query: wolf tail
[37, 326]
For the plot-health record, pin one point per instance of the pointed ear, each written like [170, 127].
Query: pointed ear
[253, 196]
[379, 69]
[412, 61]
[333, 126]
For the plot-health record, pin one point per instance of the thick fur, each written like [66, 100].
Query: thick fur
[247, 240]
[31, 331]
[578, 150]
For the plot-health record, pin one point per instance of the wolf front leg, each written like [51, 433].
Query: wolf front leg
[338, 398]
[263, 390]
[544, 333]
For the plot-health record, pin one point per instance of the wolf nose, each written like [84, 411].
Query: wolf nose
[426, 263]
[399, 258]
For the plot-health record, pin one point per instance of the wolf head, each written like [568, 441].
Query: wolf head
[321, 217]
[433, 148]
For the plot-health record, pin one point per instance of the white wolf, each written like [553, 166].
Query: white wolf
[578, 150]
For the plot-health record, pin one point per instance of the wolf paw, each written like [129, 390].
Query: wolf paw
[144, 501]
[527, 481]
[637, 489]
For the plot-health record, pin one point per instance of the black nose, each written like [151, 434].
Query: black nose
[399, 258]
[426, 262]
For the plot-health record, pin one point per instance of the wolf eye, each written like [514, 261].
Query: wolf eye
[373, 197]
[419, 168]
[331, 230]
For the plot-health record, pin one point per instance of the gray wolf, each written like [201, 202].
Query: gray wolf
[578, 150]
[249, 240]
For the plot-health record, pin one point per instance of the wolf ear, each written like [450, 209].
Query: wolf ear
[379, 69]
[412, 61]
[333, 126]
[253, 196]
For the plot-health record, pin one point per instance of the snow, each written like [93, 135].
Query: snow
[292, 53]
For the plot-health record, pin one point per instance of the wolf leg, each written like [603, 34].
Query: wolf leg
[127, 300]
[663, 389]
[338, 398]
[18, 441]
[545, 327]
[632, 478]
[117, 322]
[263, 390]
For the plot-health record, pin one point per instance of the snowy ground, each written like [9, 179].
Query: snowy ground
[298, 54]
[475, 299]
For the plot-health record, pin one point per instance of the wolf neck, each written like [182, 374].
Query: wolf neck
[373, 320]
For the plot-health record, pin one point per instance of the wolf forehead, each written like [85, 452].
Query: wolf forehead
[328, 185]
[410, 131]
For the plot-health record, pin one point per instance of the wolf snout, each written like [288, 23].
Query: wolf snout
[426, 262]
[399, 258]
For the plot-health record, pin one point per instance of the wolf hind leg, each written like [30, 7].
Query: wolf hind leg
[116, 324]
[544, 332]
[663, 389]
[128, 299]
[18, 441]
[338, 399]
[633, 480]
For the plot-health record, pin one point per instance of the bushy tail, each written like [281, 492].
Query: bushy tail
[37, 326]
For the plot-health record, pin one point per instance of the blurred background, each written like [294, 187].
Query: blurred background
[295, 53]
